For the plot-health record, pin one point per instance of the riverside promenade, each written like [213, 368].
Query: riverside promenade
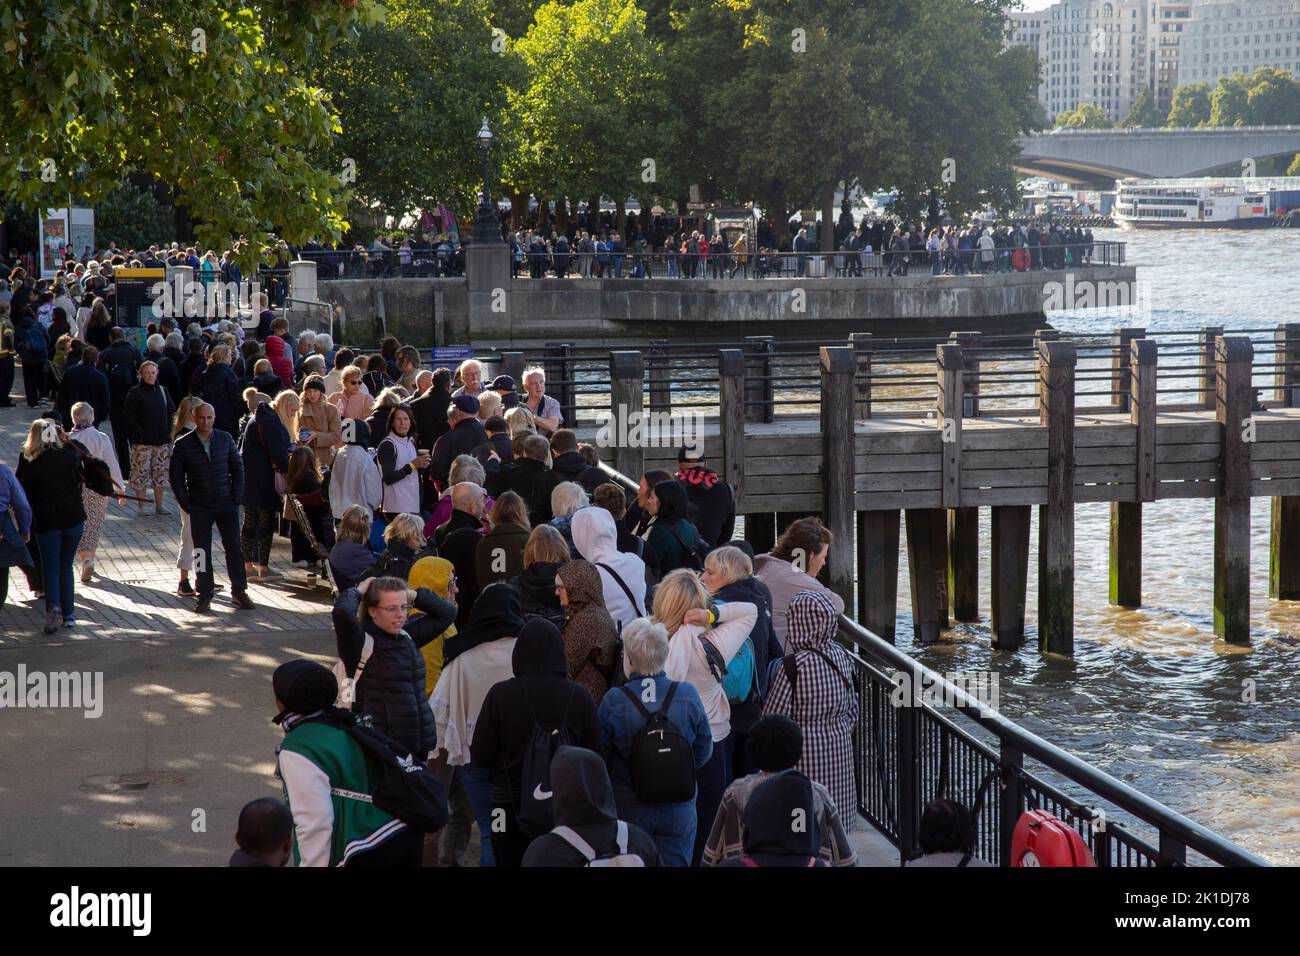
[185, 738]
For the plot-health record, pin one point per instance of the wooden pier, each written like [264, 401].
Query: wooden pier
[874, 469]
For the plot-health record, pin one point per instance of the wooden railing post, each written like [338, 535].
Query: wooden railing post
[659, 365]
[759, 388]
[1126, 516]
[513, 364]
[838, 446]
[731, 420]
[1287, 380]
[1121, 357]
[962, 524]
[971, 400]
[627, 395]
[951, 372]
[1056, 364]
[1209, 334]
[1233, 404]
[861, 343]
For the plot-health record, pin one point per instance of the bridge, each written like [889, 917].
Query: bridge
[1099, 157]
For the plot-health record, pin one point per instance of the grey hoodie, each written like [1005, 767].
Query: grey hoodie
[596, 538]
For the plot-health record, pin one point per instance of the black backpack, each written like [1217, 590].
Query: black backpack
[661, 760]
[95, 474]
[536, 815]
[407, 788]
[693, 555]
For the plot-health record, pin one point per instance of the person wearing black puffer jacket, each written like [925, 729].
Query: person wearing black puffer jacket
[218, 386]
[540, 694]
[729, 576]
[390, 688]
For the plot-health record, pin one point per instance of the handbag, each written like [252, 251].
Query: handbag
[13, 550]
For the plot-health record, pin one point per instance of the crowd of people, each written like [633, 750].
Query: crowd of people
[590, 674]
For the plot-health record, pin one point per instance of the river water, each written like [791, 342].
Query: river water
[1151, 696]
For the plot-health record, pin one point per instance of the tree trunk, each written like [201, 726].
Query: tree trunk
[518, 209]
[543, 213]
[593, 216]
[562, 215]
[826, 232]
[621, 206]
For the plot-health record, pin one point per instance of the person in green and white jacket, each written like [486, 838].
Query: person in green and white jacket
[328, 781]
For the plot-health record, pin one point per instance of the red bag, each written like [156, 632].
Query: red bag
[1041, 839]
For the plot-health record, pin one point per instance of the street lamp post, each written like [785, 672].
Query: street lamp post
[487, 228]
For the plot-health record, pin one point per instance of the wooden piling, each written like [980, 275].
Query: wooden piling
[1056, 364]
[627, 397]
[837, 369]
[731, 420]
[1010, 574]
[1126, 516]
[760, 531]
[878, 572]
[961, 584]
[927, 534]
[1233, 403]
[557, 362]
[1284, 517]
[760, 389]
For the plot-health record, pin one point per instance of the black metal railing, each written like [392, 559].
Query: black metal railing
[909, 754]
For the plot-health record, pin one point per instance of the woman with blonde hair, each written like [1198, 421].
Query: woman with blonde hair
[288, 407]
[50, 474]
[703, 638]
[351, 554]
[521, 422]
[100, 446]
[405, 544]
[352, 400]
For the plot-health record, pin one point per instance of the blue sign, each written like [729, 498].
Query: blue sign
[453, 354]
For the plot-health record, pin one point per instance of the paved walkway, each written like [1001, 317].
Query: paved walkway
[133, 593]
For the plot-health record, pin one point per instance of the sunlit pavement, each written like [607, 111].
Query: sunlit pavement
[185, 737]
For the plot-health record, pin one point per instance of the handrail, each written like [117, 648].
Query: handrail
[1167, 821]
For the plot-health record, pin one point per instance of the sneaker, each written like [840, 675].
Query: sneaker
[241, 600]
[51, 622]
[185, 589]
[161, 511]
[302, 564]
[203, 605]
[69, 622]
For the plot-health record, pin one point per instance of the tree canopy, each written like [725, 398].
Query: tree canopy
[210, 97]
[1084, 116]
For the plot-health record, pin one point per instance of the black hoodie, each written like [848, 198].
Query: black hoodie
[584, 802]
[495, 615]
[536, 590]
[715, 505]
[539, 693]
[767, 647]
[571, 466]
[780, 823]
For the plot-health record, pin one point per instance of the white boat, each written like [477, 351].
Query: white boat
[1204, 203]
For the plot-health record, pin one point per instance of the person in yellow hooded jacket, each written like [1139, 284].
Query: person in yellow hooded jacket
[438, 575]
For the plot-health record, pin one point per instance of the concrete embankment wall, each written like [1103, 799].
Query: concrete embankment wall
[523, 312]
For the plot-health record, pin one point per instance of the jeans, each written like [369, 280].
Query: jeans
[227, 522]
[710, 781]
[672, 825]
[478, 786]
[58, 552]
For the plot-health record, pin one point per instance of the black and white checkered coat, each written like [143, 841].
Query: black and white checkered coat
[823, 702]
